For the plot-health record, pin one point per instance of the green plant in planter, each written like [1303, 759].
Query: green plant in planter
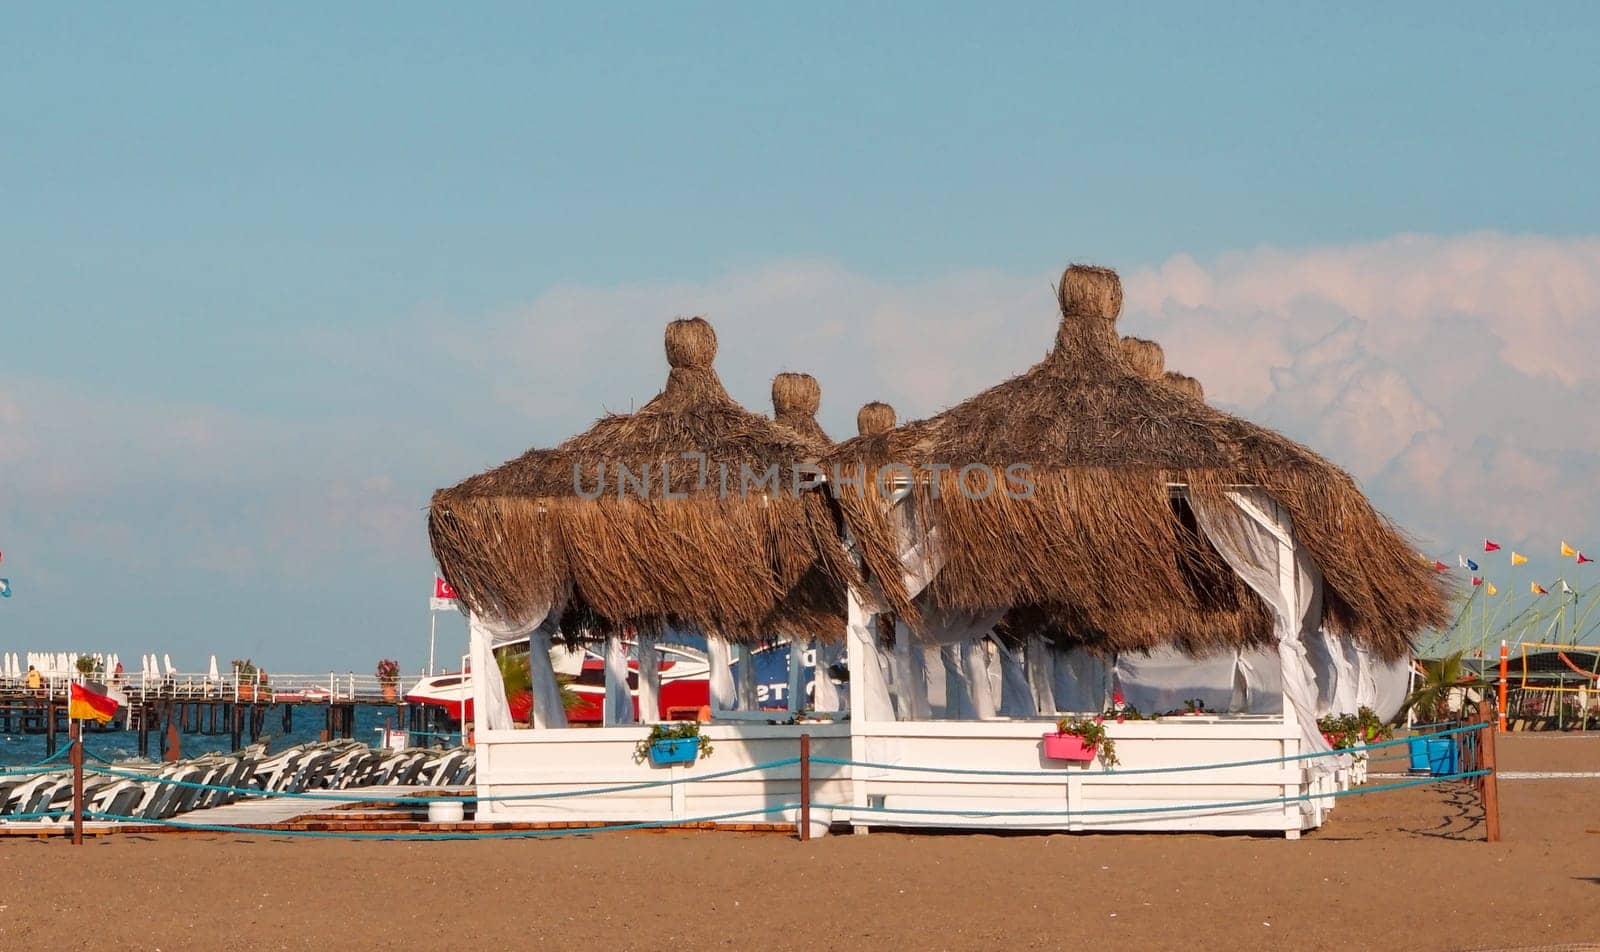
[1092, 731]
[1431, 699]
[681, 730]
[88, 666]
[518, 679]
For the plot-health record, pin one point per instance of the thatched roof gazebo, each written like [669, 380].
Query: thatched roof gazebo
[686, 515]
[1099, 547]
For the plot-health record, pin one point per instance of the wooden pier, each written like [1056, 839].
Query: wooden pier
[242, 719]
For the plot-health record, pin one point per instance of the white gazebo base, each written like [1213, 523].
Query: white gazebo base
[934, 774]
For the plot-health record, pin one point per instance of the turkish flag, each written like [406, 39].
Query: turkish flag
[442, 589]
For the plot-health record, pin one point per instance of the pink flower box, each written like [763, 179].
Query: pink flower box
[1068, 747]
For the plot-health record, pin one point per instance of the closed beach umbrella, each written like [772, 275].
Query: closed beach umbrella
[212, 673]
[166, 660]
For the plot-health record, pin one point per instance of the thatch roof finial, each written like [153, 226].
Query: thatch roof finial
[691, 344]
[874, 418]
[1146, 356]
[1090, 299]
[795, 393]
[1185, 384]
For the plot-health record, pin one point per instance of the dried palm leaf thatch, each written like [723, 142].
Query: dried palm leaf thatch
[686, 514]
[1103, 548]
[795, 399]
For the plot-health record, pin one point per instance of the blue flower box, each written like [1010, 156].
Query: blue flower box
[683, 750]
[1418, 748]
[1442, 755]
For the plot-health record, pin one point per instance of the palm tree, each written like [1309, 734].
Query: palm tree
[519, 680]
[1431, 699]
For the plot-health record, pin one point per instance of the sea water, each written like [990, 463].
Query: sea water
[309, 721]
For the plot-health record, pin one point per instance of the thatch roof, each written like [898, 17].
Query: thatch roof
[1102, 552]
[683, 514]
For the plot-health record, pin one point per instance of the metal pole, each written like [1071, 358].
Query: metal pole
[77, 782]
[433, 628]
[805, 787]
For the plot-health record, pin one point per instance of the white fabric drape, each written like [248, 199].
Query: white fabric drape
[1082, 681]
[1165, 678]
[1255, 536]
[869, 689]
[826, 695]
[1041, 674]
[1391, 683]
[1262, 678]
[649, 680]
[1016, 694]
[724, 693]
[619, 699]
[745, 679]
[490, 710]
[909, 676]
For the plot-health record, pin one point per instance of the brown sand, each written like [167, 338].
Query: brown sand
[1399, 870]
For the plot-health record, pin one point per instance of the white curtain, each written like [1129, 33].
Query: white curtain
[826, 695]
[1260, 690]
[619, 699]
[908, 671]
[649, 679]
[1391, 682]
[1082, 681]
[1016, 694]
[1255, 536]
[745, 679]
[1165, 678]
[490, 710]
[1041, 674]
[724, 693]
[869, 688]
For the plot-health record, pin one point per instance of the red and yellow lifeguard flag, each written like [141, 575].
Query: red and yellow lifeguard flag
[1517, 558]
[1538, 589]
[91, 701]
[1567, 551]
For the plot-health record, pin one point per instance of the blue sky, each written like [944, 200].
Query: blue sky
[269, 276]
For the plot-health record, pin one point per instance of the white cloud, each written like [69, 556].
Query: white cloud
[1455, 376]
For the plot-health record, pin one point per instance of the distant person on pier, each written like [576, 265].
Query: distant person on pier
[33, 681]
[116, 676]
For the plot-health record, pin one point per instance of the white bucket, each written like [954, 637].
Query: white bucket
[821, 820]
[445, 811]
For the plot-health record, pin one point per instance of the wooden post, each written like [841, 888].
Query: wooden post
[1500, 702]
[50, 727]
[1491, 784]
[805, 787]
[76, 757]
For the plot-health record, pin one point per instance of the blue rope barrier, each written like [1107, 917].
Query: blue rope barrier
[978, 771]
[1214, 807]
[456, 835]
[393, 797]
[41, 815]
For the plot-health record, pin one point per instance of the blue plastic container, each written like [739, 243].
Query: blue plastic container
[683, 750]
[1418, 746]
[1442, 755]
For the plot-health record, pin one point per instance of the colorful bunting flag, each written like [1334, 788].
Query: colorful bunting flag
[1490, 546]
[5, 588]
[1538, 589]
[1565, 588]
[1466, 563]
[1567, 551]
[1440, 566]
[1583, 558]
[1518, 558]
[1492, 589]
[1476, 581]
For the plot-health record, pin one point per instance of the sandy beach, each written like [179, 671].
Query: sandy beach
[1405, 869]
